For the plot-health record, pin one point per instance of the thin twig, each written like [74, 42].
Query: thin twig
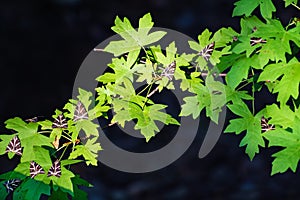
[296, 6]
[101, 50]
[206, 74]
[151, 93]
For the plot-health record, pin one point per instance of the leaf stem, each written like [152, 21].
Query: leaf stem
[253, 90]
[293, 4]
[63, 153]
[243, 85]
[68, 138]
[147, 96]
[44, 132]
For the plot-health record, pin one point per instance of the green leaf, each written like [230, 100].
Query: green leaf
[245, 7]
[290, 73]
[20, 126]
[134, 40]
[212, 97]
[89, 151]
[64, 182]
[290, 155]
[78, 193]
[249, 123]
[239, 70]
[236, 97]
[289, 2]
[282, 116]
[32, 189]
[278, 39]
[58, 194]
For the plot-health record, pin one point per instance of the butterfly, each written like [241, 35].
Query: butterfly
[80, 112]
[60, 122]
[14, 146]
[35, 169]
[169, 71]
[254, 41]
[12, 184]
[265, 126]
[34, 120]
[207, 51]
[55, 169]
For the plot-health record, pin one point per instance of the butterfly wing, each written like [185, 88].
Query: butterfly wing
[80, 112]
[35, 169]
[169, 71]
[60, 122]
[55, 169]
[207, 51]
[14, 146]
[12, 184]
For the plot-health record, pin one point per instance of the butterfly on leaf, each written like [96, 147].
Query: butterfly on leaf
[35, 169]
[60, 122]
[265, 126]
[207, 51]
[169, 71]
[80, 112]
[254, 41]
[55, 169]
[12, 184]
[14, 146]
[166, 72]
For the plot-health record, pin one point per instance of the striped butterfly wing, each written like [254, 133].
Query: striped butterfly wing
[60, 122]
[207, 51]
[12, 184]
[33, 120]
[254, 41]
[14, 146]
[169, 71]
[55, 169]
[35, 169]
[80, 112]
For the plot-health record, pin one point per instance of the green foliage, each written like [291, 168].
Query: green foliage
[262, 55]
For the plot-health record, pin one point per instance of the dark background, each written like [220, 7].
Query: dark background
[42, 45]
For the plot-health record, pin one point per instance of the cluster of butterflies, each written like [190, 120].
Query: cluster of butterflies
[79, 113]
[14, 146]
[35, 169]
